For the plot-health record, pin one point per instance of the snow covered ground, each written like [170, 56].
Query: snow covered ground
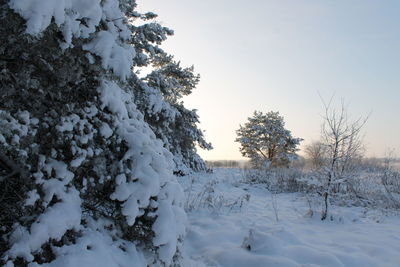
[235, 224]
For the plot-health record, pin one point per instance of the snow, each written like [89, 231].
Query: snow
[57, 218]
[60, 222]
[78, 161]
[39, 14]
[229, 223]
[144, 181]
[251, 236]
[24, 116]
[96, 249]
[80, 19]
[33, 196]
[150, 174]
[105, 130]
[114, 98]
[114, 56]
[167, 232]
[67, 123]
[52, 224]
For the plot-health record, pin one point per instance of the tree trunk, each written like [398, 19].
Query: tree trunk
[325, 210]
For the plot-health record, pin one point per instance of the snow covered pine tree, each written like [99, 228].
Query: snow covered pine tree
[160, 101]
[84, 181]
[266, 142]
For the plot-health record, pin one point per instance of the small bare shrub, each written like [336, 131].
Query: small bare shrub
[276, 179]
[216, 202]
[390, 179]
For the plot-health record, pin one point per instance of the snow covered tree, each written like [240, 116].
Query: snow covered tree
[159, 94]
[343, 147]
[179, 131]
[265, 140]
[83, 176]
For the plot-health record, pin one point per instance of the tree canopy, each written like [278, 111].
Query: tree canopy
[265, 140]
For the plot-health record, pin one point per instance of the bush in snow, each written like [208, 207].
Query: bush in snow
[390, 179]
[84, 180]
[278, 179]
[213, 200]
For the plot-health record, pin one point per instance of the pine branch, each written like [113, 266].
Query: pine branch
[10, 165]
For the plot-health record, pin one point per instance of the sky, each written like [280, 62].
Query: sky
[284, 55]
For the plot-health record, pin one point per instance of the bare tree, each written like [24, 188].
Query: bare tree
[342, 141]
[316, 154]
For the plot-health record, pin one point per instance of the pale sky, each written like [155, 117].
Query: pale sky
[280, 55]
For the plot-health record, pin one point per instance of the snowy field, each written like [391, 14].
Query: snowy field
[236, 224]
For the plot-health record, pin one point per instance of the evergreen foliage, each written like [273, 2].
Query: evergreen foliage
[86, 167]
[170, 120]
[265, 140]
